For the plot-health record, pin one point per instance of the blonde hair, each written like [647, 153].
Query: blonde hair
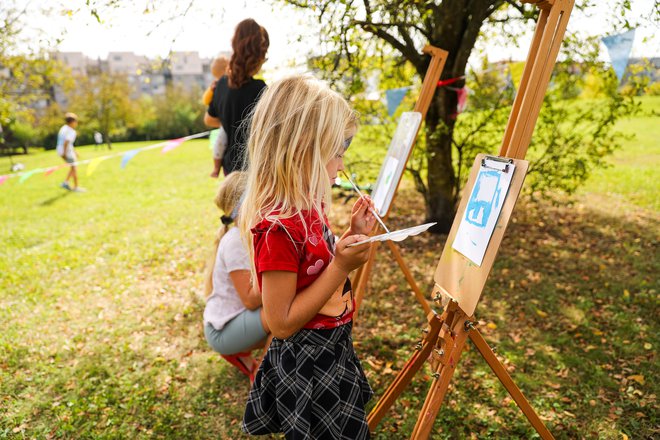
[229, 194]
[297, 127]
[219, 66]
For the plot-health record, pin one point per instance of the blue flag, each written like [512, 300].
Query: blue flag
[619, 46]
[394, 98]
[128, 156]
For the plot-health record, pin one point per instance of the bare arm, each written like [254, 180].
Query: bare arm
[211, 121]
[249, 294]
[287, 312]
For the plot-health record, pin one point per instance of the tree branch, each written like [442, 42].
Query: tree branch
[409, 52]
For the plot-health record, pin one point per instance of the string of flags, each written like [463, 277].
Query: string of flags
[619, 47]
[92, 164]
[394, 97]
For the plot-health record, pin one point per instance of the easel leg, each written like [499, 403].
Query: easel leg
[440, 384]
[411, 281]
[361, 282]
[406, 374]
[503, 376]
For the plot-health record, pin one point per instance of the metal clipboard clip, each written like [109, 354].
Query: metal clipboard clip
[496, 163]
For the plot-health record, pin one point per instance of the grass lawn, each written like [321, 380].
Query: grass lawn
[100, 307]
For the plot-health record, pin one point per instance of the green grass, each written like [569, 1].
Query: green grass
[634, 174]
[100, 307]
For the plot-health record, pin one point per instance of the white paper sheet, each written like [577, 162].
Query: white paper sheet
[395, 160]
[482, 211]
[399, 235]
[383, 189]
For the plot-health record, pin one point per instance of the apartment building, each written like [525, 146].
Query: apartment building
[148, 76]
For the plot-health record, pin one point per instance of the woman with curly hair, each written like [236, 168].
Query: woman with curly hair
[237, 92]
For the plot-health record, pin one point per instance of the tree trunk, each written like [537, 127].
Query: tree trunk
[457, 25]
[441, 177]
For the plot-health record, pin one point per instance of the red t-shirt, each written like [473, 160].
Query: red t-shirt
[304, 246]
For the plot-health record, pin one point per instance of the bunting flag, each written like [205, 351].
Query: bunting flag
[128, 156]
[94, 164]
[213, 137]
[462, 95]
[516, 72]
[619, 47]
[394, 98]
[51, 170]
[29, 174]
[171, 145]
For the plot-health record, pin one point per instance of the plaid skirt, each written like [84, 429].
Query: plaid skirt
[310, 386]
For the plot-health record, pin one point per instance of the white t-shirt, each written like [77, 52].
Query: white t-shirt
[66, 133]
[224, 304]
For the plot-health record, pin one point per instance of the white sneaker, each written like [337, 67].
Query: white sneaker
[65, 185]
[79, 189]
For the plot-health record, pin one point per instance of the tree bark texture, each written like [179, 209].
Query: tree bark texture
[456, 25]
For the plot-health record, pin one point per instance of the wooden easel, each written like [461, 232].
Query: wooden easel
[438, 59]
[446, 334]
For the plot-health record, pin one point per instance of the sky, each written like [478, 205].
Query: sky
[208, 26]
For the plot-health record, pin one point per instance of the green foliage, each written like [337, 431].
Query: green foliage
[23, 133]
[104, 104]
[176, 113]
[25, 78]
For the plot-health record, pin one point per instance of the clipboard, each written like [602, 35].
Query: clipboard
[484, 205]
[456, 276]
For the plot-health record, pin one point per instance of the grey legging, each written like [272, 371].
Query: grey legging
[238, 335]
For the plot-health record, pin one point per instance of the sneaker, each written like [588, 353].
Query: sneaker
[65, 185]
[79, 189]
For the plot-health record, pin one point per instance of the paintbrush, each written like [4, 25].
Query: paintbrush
[373, 211]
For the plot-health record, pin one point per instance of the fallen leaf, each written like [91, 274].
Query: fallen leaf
[647, 346]
[541, 313]
[637, 378]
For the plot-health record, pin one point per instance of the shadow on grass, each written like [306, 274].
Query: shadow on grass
[572, 305]
[54, 199]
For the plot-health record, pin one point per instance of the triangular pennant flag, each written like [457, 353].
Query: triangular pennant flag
[93, 165]
[3, 179]
[394, 98]
[29, 174]
[619, 47]
[516, 72]
[171, 145]
[51, 170]
[462, 95]
[213, 136]
[128, 156]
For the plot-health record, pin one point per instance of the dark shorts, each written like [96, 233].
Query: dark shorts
[310, 386]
